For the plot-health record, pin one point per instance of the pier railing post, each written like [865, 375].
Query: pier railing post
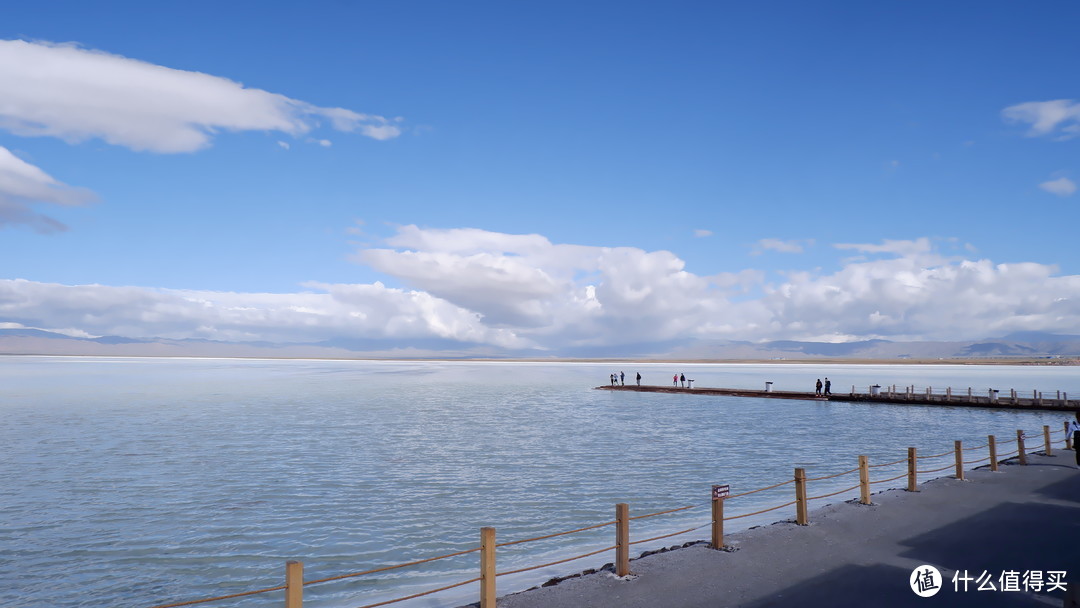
[294, 584]
[993, 452]
[801, 516]
[1021, 450]
[487, 567]
[1068, 438]
[864, 480]
[717, 519]
[912, 471]
[969, 394]
[959, 459]
[622, 539]
[1046, 441]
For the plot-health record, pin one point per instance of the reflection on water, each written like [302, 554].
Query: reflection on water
[142, 481]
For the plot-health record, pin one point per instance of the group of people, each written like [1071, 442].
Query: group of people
[619, 379]
[680, 380]
[823, 389]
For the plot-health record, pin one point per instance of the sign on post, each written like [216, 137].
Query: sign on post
[721, 492]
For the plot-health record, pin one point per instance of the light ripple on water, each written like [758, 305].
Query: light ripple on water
[136, 482]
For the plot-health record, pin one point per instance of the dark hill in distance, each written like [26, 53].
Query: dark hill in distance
[1028, 345]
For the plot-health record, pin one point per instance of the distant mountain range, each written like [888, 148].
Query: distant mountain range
[1027, 345]
[1019, 345]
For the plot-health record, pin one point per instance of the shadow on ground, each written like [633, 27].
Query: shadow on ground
[990, 541]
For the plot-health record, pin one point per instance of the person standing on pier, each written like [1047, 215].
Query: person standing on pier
[639, 378]
[682, 380]
[622, 378]
[828, 387]
[675, 380]
[1074, 430]
[817, 387]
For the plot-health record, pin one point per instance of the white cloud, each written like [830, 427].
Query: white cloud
[1060, 116]
[790, 246]
[523, 291]
[701, 233]
[903, 298]
[1061, 186]
[23, 185]
[913, 248]
[65, 91]
[549, 292]
[333, 311]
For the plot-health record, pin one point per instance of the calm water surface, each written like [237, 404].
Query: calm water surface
[135, 482]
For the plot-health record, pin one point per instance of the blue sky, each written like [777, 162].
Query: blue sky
[534, 176]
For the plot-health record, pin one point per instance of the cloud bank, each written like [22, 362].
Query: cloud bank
[523, 292]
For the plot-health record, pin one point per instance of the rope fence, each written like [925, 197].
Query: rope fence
[294, 583]
[385, 568]
[529, 540]
[561, 561]
[421, 594]
[834, 493]
[935, 455]
[833, 476]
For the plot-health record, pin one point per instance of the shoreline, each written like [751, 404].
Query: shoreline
[1019, 361]
[1022, 518]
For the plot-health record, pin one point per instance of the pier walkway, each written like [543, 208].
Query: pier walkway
[1019, 520]
[1011, 399]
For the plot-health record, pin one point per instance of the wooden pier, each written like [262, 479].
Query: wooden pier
[1010, 399]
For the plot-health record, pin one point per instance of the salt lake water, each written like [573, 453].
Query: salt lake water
[136, 482]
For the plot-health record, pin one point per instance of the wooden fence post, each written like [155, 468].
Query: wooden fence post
[801, 516]
[1068, 438]
[622, 539]
[1046, 441]
[864, 480]
[717, 519]
[993, 452]
[1020, 449]
[487, 567]
[912, 471]
[294, 584]
[959, 446]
